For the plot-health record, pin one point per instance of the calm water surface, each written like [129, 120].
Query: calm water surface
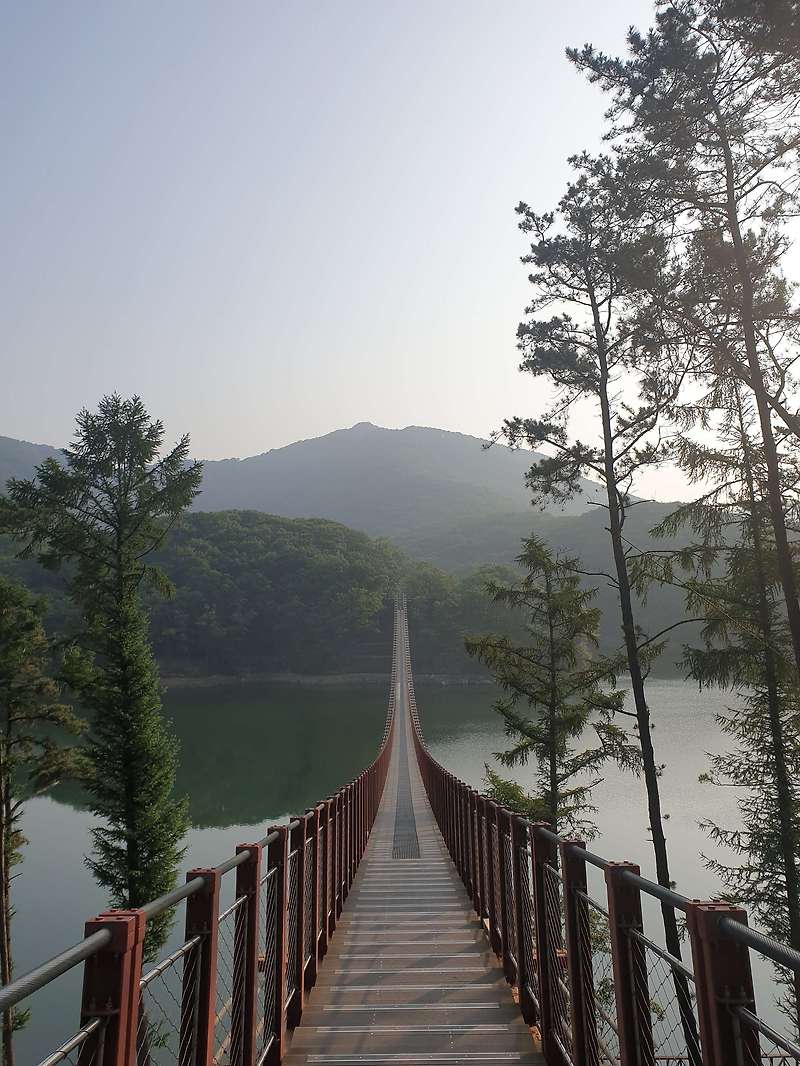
[251, 755]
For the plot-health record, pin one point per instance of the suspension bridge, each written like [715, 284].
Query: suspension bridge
[406, 920]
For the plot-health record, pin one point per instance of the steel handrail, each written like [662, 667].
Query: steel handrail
[760, 942]
[15, 991]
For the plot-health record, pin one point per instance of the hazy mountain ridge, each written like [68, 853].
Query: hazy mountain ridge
[373, 481]
[398, 483]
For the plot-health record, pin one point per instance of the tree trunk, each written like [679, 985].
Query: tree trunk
[783, 785]
[650, 770]
[552, 708]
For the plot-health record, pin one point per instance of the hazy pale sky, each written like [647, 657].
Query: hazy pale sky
[273, 220]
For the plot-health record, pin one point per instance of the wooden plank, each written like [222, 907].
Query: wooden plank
[409, 977]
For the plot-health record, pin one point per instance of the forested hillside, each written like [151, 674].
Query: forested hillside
[258, 593]
[255, 593]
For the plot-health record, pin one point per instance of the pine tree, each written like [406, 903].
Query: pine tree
[747, 650]
[35, 727]
[105, 511]
[552, 687]
[585, 258]
[707, 109]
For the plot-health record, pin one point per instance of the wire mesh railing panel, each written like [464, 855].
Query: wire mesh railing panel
[560, 1005]
[597, 979]
[168, 1008]
[527, 934]
[84, 1048]
[231, 946]
[267, 985]
[292, 927]
[309, 944]
[667, 1004]
[508, 873]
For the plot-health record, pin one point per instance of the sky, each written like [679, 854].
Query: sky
[274, 220]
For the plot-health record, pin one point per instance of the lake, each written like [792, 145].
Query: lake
[253, 754]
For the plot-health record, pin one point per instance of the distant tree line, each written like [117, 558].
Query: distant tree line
[255, 593]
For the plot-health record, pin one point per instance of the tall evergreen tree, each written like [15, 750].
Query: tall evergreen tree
[552, 686]
[105, 510]
[747, 650]
[707, 106]
[35, 753]
[584, 257]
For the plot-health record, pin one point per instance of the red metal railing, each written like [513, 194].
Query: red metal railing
[587, 975]
[255, 930]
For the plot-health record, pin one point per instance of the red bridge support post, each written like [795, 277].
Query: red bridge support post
[526, 945]
[544, 852]
[328, 910]
[278, 859]
[111, 988]
[245, 977]
[316, 825]
[297, 841]
[491, 889]
[506, 889]
[631, 992]
[202, 919]
[724, 980]
[583, 1007]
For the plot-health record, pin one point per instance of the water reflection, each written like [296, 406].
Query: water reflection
[250, 751]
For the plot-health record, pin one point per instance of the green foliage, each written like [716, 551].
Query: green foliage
[104, 513]
[36, 749]
[552, 687]
[258, 593]
[733, 579]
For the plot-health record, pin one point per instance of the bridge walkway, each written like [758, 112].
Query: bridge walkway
[410, 977]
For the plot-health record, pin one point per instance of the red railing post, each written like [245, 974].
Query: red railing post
[544, 853]
[315, 820]
[526, 943]
[583, 1008]
[631, 992]
[465, 836]
[492, 840]
[111, 988]
[202, 919]
[338, 860]
[505, 890]
[327, 880]
[278, 859]
[245, 955]
[364, 812]
[347, 834]
[297, 841]
[480, 827]
[475, 851]
[724, 981]
[334, 845]
[463, 854]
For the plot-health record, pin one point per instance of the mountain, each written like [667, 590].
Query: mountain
[395, 483]
[398, 483]
[19, 458]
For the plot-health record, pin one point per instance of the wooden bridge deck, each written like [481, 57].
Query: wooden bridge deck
[410, 977]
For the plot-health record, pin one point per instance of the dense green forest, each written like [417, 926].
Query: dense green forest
[255, 593]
